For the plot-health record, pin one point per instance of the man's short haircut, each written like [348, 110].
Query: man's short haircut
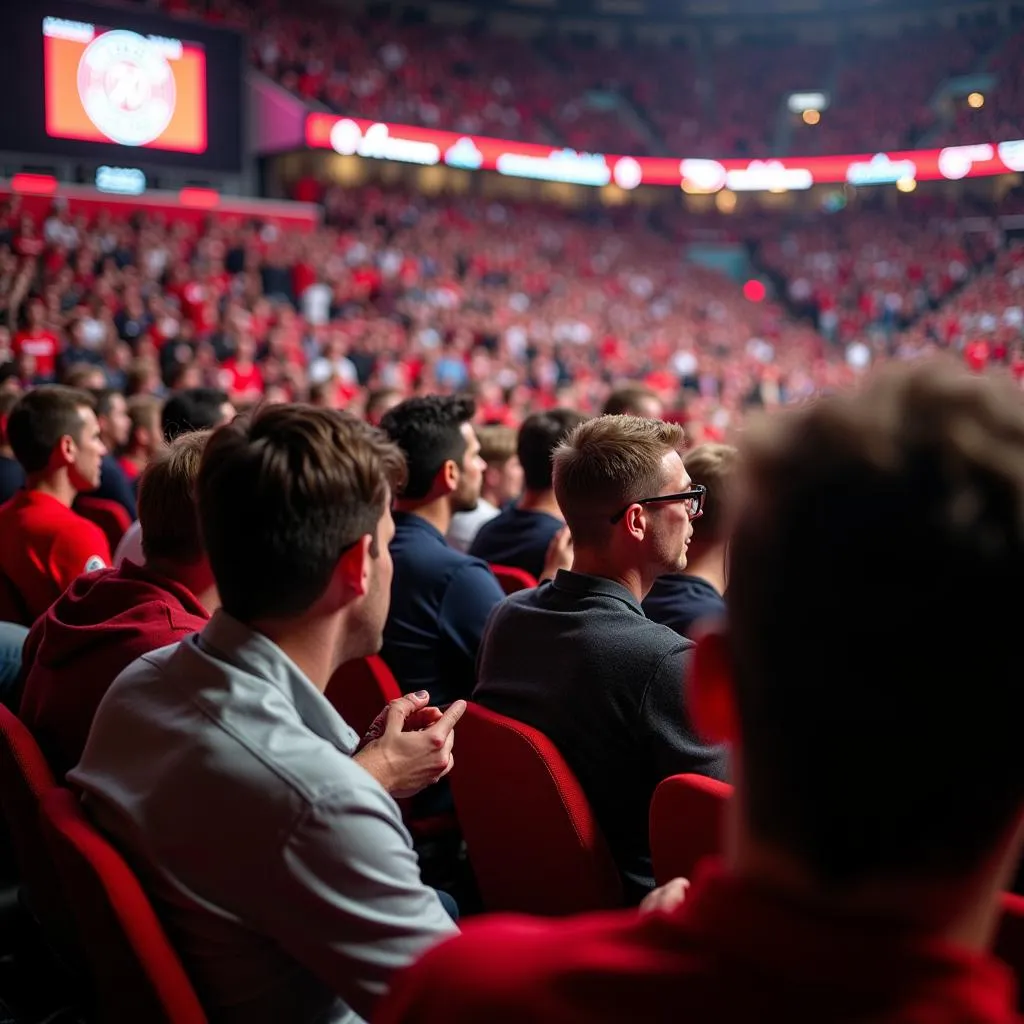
[874, 574]
[714, 466]
[604, 464]
[539, 436]
[497, 443]
[282, 495]
[192, 409]
[428, 430]
[167, 501]
[628, 400]
[144, 411]
[103, 399]
[78, 375]
[379, 397]
[41, 418]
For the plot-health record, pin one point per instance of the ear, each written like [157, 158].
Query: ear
[354, 567]
[710, 696]
[64, 453]
[636, 522]
[448, 476]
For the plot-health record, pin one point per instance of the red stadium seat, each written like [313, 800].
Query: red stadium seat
[110, 516]
[533, 842]
[137, 974]
[360, 689]
[687, 817]
[513, 580]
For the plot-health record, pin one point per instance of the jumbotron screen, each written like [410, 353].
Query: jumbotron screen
[102, 82]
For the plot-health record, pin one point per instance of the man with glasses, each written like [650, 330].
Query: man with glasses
[577, 658]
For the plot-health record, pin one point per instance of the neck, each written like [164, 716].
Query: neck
[708, 564]
[55, 484]
[312, 642]
[964, 911]
[437, 512]
[6, 451]
[195, 577]
[596, 563]
[540, 501]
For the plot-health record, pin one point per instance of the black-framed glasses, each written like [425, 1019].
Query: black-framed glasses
[694, 499]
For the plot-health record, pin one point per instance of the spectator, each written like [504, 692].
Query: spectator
[86, 376]
[679, 600]
[503, 482]
[854, 833]
[379, 403]
[115, 429]
[44, 546]
[274, 852]
[38, 342]
[634, 401]
[577, 659]
[107, 619]
[145, 438]
[440, 598]
[194, 409]
[12, 476]
[522, 534]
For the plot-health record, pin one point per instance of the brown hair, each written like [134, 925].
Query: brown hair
[497, 443]
[282, 494]
[714, 466]
[606, 463]
[41, 418]
[628, 400]
[874, 626]
[167, 501]
[144, 412]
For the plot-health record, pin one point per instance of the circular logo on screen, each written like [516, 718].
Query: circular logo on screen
[126, 87]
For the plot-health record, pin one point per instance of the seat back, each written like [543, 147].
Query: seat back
[25, 779]
[513, 580]
[360, 689]
[532, 838]
[137, 974]
[110, 516]
[686, 821]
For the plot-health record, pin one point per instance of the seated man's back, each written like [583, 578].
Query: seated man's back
[227, 783]
[577, 659]
[105, 620]
[440, 597]
[517, 537]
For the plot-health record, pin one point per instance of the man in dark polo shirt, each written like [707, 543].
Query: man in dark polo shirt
[440, 597]
[577, 658]
[880, 787]
[522, 533]
[681, 600]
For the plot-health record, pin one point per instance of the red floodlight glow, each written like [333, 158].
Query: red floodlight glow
[754, 291]
[34, 184]
[199, 198]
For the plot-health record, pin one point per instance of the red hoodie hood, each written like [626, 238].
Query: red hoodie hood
[122, 607]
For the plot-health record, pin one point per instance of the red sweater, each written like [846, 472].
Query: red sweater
[733, 953]
[102, 623]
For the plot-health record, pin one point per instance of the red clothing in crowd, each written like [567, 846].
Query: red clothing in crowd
[43, 346]
[44, 546]
[101, 624]
[731, 954]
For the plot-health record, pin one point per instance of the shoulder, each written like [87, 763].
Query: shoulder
[508, 968]
[79, 536]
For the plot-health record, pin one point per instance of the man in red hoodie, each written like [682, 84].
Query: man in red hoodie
[107, 619]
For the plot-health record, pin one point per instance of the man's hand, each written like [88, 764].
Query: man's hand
[665, 898]
[559, 554]
[409, 745]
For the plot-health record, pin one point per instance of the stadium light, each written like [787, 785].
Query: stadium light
[811, 116]
[976, 100]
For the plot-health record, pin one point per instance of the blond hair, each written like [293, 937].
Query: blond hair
[606, 463]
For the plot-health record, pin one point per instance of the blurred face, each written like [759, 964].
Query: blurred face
[650, 408]
[116, 425]
[227, 414]
[466, 495]
[506, 480]
[670, 529]
[86, 453]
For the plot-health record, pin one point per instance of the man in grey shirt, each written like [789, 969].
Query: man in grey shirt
[578, 659]
[268, 839]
